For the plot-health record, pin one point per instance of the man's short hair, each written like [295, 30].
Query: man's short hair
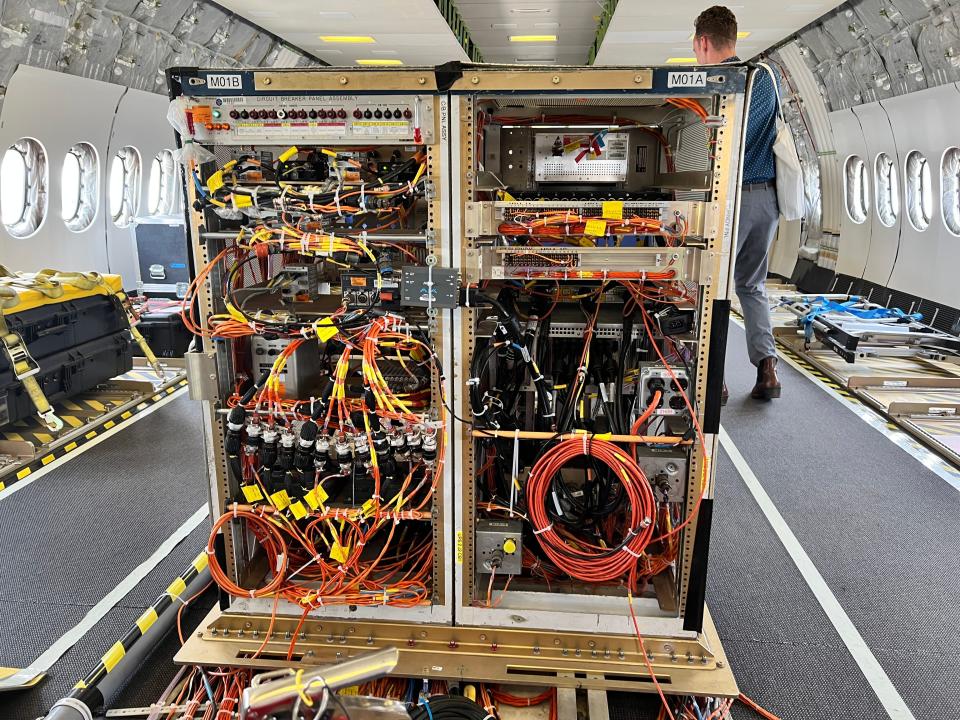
[717, 23]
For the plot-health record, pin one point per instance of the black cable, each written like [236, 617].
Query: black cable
[448, 707]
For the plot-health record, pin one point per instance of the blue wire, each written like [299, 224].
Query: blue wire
[696, 707]
[426, 703]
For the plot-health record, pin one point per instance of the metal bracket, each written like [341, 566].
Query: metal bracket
[479, 219]
[202, 375]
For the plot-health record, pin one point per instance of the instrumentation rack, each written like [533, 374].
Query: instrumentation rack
[608, 238]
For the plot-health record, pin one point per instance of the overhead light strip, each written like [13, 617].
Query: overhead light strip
[533, 38]
[606, 15]
[348, 39]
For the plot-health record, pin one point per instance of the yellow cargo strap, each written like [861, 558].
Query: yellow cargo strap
[51, 283]
[25, 369]
[141, 341]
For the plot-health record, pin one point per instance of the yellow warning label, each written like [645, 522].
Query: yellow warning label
[145, 621]
[215, 182]
[280, 499]
[596, 228]
[298, 509]
[113, 656]
[326, 330]
[612, 209]
[339, 553]
[288, 153]
[459, 547]
[316, 497]
[252, 493]
[201, 562]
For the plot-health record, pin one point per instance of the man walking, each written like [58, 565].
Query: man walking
[715, 42]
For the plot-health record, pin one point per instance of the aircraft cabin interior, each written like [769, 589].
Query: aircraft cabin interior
[479, 360]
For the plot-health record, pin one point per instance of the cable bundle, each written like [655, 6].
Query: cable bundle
[583, 561]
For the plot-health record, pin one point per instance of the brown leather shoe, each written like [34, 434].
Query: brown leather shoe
[768, 384]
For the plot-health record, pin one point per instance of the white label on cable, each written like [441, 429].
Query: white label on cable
[224, 82]
[687, 79]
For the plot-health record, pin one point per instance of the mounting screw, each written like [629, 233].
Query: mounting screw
[453, 644]
[475, 79]
[214, 632]
[422, 80]
[344, 80]
[369, 639]
[638, 78]
[536, 649]
[720, 663]
[200, 635]
[267, 81]
[555, 79]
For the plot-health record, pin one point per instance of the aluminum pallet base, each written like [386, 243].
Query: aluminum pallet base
[557, 659]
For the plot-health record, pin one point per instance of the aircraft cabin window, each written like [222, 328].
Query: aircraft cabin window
[124, 188]
[950, 189]
[856, 189]
[161, 193]
[888, 190]
[79, 186]
[919, 190]
[23, 187]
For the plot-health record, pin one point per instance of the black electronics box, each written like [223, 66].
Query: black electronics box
[57, 327]
[66, 373]
[164, 332]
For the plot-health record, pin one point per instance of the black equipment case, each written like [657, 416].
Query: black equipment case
[67, 372]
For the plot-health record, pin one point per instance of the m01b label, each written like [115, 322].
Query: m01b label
[687, 79]
[224, 82]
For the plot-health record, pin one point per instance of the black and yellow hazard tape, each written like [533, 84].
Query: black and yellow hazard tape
[86, 689]
[16, 473]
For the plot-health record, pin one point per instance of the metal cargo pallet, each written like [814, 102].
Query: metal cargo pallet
[27, 445]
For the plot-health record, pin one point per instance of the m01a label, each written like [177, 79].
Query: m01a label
[224, 82]
[690, 79]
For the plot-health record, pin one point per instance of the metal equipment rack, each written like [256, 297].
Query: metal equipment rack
[577, 640]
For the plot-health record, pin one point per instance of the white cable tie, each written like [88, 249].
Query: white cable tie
[537, 379]
[336, 200]
[584, 443]
[253, 594]
[341, 569]
[235, 504]
[473, 381]
[542, 530]
[646, 522]
[631, 552]
[363, 196]
[556, 503]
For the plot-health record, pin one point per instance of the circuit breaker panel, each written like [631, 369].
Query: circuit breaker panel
[461, 364]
